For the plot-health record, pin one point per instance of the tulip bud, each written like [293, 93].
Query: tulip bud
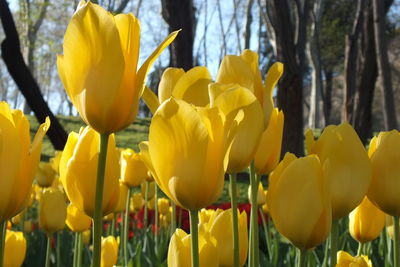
[366, 221]
[163, 206]
[79, 159]
[260, 195]
[45, 174]
[345, 164]
[136, 202]
[15, 249]
[133, 170]
[179, 250]
[122, 198]
[109, 251]
[77, 220]
[53, 211]
[344, 259]
[299, 202]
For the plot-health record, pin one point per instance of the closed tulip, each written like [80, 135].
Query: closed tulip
[53, 211]
[77, 220]
[268, 152]
[45, 174]
[109, 251]
[18, 159]
[366, 221]
[136, 202]
[345, 164]
[163, 206]
[78, 171]
[230, 99]
[384, 190]
[186, 151]
[179, 250]
[123, 194]
[99, 66]
[133, 170]
[220, 227]
[260, 195]
[151, 190]
[151, 204]
[344, 259]
[15, 249]
[299, 202]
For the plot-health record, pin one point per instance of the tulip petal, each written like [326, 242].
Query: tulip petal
[151, 100]
[234, 69]
[168, 80]
[274, 74]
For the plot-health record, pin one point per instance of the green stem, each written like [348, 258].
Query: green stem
[126, 227]
[75, 249]
[360, 248]
[48, 251]
[113, 224]
[146, 199]
[235, 227]
[98, 209]
[80, 247]
[396, 243]
[173, 219]
[334, 241]
[267, 237]
[3, 231]
[302, 257]
[254, 181]
[194, 218]
[326, 252]
[156, 216]
[58, 249]
[250, 258]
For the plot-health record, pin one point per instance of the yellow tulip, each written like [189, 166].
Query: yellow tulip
[45, 174]
[345, 164]
[344, 259]
[53, 211]
[163, 206]
[366, 221]
[230, 99]
[15, 249]
[136, 202]
[187, 151]
[299, 202]
[151, 189]
[109, 217]
[77, 220]
[260, 195]
[99, 66]
[55, 161]
[265, 206]
[385, 185]
[205, 215]
[243, 70]
[28, 227]
[179, 250]
[17, 218]
[151, 204]
[86, 236]
[78, 171]
[109, 251]
[268, 152]
[18, 160]
[220, 227]
[123, 195]
[133, 169]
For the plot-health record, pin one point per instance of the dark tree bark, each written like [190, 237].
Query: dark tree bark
[290, 42]
[327, 103]
[389, 111]
[11, 53]
[179, 14]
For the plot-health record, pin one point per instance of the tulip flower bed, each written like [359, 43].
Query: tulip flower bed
[96, 204]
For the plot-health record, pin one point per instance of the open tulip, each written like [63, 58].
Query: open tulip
[230, 99]
[77, 220]
[384, 190]
[99, 66]
[18, 160]
[298, 201]
[179, 250]
[186, 151]
[345, 164]
[15, 249]
[53, 211]
[45, 174]
[344, 259]
[78, 171]
[109, 251]
[133, 169]
[366, 221]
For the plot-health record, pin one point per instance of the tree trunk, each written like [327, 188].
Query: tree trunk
[327, 103]
[179, 14]
[249, 20]
[389, 112]
[11, 53]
